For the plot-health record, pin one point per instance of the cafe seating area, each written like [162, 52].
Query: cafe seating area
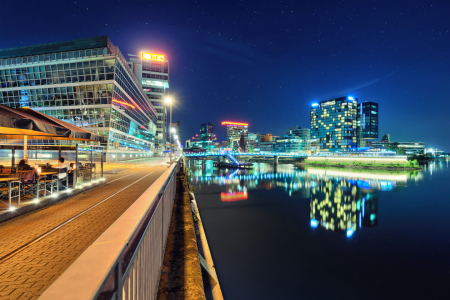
[41, 180]
[35, 178]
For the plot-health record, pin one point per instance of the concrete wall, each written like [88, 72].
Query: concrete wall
[384, 160]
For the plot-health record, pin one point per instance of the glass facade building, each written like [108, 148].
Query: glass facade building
[367, 122]
[334, 124]
[295, 140]
[87, 83]
[153, 75]
[207, 135]
[234, 133]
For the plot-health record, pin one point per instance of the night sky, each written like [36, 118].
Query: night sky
[265, 62]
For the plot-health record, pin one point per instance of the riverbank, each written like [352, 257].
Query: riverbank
[406, 166]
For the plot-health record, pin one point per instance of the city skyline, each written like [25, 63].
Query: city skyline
[288, 57]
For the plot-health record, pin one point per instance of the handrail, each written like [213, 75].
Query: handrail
[107, 269]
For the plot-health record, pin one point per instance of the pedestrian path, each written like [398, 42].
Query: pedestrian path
[37, 247]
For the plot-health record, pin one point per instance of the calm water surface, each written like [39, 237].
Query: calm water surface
[318, 233]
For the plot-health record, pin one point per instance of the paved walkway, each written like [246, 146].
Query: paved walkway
[47, 252]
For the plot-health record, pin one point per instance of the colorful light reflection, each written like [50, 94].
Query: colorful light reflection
[230, 197]
[123, 103]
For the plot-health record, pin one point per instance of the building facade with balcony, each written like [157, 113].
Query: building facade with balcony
[86, 82]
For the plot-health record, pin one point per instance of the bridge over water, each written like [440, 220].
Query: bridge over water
[233, 156]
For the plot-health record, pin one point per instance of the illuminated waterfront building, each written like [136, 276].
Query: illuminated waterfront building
[367, 122]
[295, 140]
[235, 131]
[86, 82]
[412, 148]
[334, 124]
[207, 135]
[252, 142]
[266, 147]
[152, 71]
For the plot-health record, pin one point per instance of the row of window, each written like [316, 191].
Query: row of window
[58, 73]
[156, 68]
[127, 83]
[164, 77]
[60, 96]
[101, 117]
[54, 56]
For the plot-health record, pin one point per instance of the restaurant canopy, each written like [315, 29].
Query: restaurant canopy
[25, 123]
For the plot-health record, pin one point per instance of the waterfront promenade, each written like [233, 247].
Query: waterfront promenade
[36, 248]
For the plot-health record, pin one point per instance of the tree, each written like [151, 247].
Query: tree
[394, 147]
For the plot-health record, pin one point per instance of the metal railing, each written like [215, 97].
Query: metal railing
[125, 261]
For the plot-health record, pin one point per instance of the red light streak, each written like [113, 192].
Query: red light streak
[234, 123]
[123, 103]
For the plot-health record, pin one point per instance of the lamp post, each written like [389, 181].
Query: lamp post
[169, 101]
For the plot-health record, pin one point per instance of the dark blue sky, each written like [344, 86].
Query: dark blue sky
[265, 62]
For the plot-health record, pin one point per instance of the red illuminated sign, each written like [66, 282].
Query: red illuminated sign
[230, 197]
[234, 123]
[123, 103]
[152, 56]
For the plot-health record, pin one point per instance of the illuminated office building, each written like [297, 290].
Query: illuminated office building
[207, 135]
[152, 71]
[252, 142]
[295, 140]
[334, 124]
[236, 131]
[367, 122]
[85, 82]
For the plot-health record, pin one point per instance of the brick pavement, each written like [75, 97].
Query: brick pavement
[27, 274]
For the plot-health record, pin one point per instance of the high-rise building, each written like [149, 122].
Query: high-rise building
[86, 82]
[152, 71]
[334, 124]
[207, 135]
[224, 144]
[295, 140]
[367, 122]
[235, 131]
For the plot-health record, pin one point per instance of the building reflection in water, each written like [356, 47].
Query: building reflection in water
[340, 200]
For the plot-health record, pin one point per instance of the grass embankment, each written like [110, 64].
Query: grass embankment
[409, 165]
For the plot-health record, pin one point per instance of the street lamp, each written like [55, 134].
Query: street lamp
[169, 102]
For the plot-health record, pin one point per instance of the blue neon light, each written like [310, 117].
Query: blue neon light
[351, 98]
[315, 104]
[314, 223]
